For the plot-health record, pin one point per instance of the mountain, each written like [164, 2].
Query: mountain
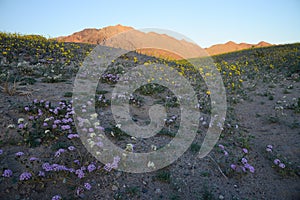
[151, 43]
[232, 46]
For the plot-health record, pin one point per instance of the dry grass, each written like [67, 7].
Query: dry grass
[15, 89]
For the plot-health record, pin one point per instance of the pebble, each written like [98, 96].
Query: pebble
[157, 191]
[114, 188]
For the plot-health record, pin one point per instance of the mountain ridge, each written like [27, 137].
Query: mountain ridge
[181, 47]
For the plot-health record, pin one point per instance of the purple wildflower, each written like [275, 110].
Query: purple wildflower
[26, 108]
[251, 169]
[57, 167]
[47, 167]
[282, 165]
[244, 161]
[225, 153]
[35, 101]
[243, 168]
[268, 149]
[79, 173]
[71, 170]
[87, 186]
[65, 127]
[77, 162]
[41, 173]
[7, 173]
[71, 148]
[99, 128]
[245, 150]
[99, 144]
[277, 161]
[19, 154]
[233, 166]
[54, 126]
[1, 151]
[91, 167]
[31, 117]
[221, 146]
[60, 151]
[84, 130]
[108, 167]
[25, 176]
[71, 136]
[21, 126]
[270, 146]
[33, 159]
[91, 130]
[45, 124]
[57, 121]
[56, 197]
[79, 191]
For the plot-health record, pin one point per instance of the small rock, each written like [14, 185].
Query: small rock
[144, 182]
[158, 191]
[144, 190]
[221, 197]
[235, 186]
[114, 188]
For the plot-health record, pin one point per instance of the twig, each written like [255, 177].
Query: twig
[218, 166]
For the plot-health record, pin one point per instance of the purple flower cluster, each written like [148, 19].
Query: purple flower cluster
[65, 127]
[91, 167]
[87, 186]
[59, 152]
[279, 163]
[244, 166]
[276, 161]
[71, 136]
[42, 108]
[223, 149]
[79, 173]
[7, 173]
[114, 165]
[269, 148]
[25, 176]
[110, 78]
[55, 167]
[1, 151]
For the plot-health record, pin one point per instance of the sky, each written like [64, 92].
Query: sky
[206, 22]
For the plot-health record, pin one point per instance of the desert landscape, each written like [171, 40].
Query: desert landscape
[42, 156]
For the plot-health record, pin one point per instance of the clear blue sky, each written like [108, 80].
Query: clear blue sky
[205, 22]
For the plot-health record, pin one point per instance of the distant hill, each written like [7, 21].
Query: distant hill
[177, 49]
[232, 46]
